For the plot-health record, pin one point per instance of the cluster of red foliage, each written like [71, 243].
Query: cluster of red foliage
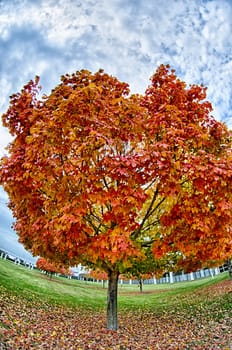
[98, 176]
[51, 268]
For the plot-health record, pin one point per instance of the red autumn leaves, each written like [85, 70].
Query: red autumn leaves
[98, 176]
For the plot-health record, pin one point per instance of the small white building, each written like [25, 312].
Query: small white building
[79, 271]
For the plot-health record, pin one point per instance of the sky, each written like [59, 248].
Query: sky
[127, 38]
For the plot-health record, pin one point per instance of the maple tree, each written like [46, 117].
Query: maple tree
[146, 267]
[98, 274]
[43, 264]
[51, 268]
[96, 175]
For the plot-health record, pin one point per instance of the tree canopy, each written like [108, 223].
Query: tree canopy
[51, 268]
[96, 175]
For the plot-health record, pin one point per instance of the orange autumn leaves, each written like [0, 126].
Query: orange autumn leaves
[51, 268]
[94, 174]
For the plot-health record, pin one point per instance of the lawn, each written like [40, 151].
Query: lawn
[39, 313]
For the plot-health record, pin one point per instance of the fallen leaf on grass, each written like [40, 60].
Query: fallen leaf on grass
[202, 325]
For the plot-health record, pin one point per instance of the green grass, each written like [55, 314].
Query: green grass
[169, 297]
[32, 284]
[39, 313]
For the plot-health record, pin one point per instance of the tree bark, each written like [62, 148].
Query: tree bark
[112, 300]
[229, 264]
[140, 285]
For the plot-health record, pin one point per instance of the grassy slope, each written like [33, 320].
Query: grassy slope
[185, 316]
[28, 283]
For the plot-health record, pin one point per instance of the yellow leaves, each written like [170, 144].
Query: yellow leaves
[118, 165]
[72, 135]
[30, 139]
[26, 175]
[92, 87]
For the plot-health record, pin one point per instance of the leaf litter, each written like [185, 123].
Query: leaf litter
[201, 320]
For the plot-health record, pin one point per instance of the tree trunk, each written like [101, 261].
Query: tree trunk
[112, 301]
[140, 285]
[229, 264]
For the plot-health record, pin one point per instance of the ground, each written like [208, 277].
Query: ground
[26, 323]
